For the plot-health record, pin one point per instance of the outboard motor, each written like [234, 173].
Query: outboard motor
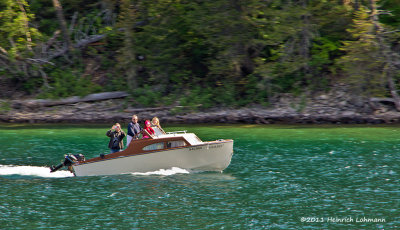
[68, 161]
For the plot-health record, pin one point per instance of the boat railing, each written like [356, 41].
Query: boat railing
[178, 132]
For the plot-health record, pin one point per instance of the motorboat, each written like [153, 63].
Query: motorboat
[160, 151]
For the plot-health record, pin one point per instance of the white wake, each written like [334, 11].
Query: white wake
[164, 172]
[32, 171]
[8, 170]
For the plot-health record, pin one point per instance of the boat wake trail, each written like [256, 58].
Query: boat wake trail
[164, 172]
[6, 170]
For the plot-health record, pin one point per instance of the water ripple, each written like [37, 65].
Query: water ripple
[277, 175]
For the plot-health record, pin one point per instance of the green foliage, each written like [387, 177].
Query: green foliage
[5, 106]
[198, 98]
[66, 83]
[392, 15]
[208, 53]
[323, 51]
[32, 84]
[148, 96]
[363, 60]
[16, 36]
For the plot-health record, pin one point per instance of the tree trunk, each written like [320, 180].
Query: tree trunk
[63, 23]
[388, 54]
[393, 92]
[27, 32]
[128, 52]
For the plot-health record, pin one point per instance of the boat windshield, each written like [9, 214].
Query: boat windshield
[158, 131]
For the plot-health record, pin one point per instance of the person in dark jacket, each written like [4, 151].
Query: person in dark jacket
[133, 130]
[116, 138]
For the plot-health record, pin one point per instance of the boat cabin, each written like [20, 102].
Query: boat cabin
[161, 141]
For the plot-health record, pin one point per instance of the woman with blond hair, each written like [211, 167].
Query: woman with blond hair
[155, 122]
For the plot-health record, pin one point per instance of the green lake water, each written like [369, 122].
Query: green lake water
[280, 177]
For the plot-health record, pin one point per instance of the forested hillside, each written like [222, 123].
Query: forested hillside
[198, 52]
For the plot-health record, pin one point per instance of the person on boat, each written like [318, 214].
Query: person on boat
[133, 130]
[116, 138]
[147, 130]
[155, 122]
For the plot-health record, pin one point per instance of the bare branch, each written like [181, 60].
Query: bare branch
[45, 78]
[390, 32]
[3, 50]
[72, 25]
[40, 61]
[11, 42]
[4, 57]
[51, 41]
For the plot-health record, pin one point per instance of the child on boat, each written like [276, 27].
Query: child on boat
[147, 130]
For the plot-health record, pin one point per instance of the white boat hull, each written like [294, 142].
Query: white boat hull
[209, 156]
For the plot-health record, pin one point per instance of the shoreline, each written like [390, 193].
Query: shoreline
[75, 114]
[335, 107]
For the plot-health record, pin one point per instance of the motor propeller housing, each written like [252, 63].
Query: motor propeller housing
[68, 161]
